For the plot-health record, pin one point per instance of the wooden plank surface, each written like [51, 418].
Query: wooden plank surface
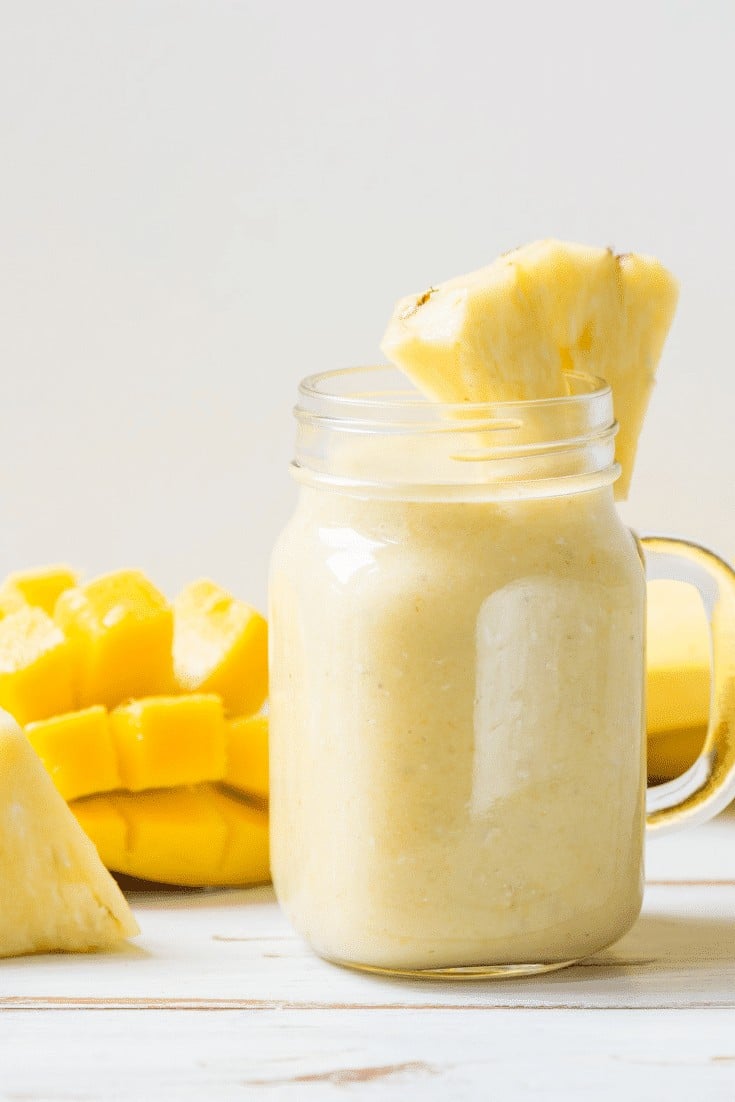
[220, 999]
[97, 1056]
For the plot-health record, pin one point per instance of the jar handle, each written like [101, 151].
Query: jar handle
[709, 785]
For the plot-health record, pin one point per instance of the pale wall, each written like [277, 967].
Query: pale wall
[203, 200]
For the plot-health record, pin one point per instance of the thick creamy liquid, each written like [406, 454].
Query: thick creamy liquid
[457, 757]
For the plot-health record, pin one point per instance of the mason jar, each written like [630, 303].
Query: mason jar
[457, 670]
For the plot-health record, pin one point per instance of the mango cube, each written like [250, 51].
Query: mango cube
[35, 666]
[169, 740]
[247, 755]
[77, 751]
[220, 646]
[120, 628]
[41, 587]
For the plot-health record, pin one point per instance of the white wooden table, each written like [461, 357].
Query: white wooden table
[220, 1000]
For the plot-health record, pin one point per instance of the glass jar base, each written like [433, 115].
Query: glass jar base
[462, 972]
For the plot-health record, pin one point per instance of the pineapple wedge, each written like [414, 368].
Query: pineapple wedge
[55, 894]
[510, 331]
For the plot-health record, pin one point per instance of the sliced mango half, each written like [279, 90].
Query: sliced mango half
[196, 837]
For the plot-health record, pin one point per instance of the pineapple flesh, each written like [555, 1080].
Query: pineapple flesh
[55, 893]
[511, 331]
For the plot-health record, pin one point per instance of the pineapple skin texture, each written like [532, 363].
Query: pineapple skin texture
[220, 646]
[510, 331]
[120, 628]
[55, 894]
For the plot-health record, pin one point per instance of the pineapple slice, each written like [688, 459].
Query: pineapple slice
[510, 331]
[55, 894]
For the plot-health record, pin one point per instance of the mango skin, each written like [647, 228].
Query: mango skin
[194, 837]
[120, 628]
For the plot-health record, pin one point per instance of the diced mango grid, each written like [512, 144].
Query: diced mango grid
[167, 767]
[158, 742]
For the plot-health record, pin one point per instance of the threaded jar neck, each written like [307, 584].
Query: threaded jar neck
[365, 432]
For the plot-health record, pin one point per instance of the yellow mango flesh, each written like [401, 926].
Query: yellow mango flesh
[120, 629]
[166, 741]
[41, 587]
[156, 742]
[196, 837]
[678, 678]
[678, 659]
[670, 753]
[220, 646]
[35, 666]
[10, 601]
[247, 755]
[77, 751]
[139, 767]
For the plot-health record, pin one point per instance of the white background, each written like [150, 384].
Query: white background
[203, 200]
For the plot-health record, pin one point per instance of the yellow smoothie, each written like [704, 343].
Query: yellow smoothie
[457, 758]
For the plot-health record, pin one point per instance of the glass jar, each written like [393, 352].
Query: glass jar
[457, 683]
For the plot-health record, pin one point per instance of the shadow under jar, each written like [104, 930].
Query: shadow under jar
[457, 682]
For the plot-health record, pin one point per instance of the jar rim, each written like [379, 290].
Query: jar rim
[364, 429]
[322, 390]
